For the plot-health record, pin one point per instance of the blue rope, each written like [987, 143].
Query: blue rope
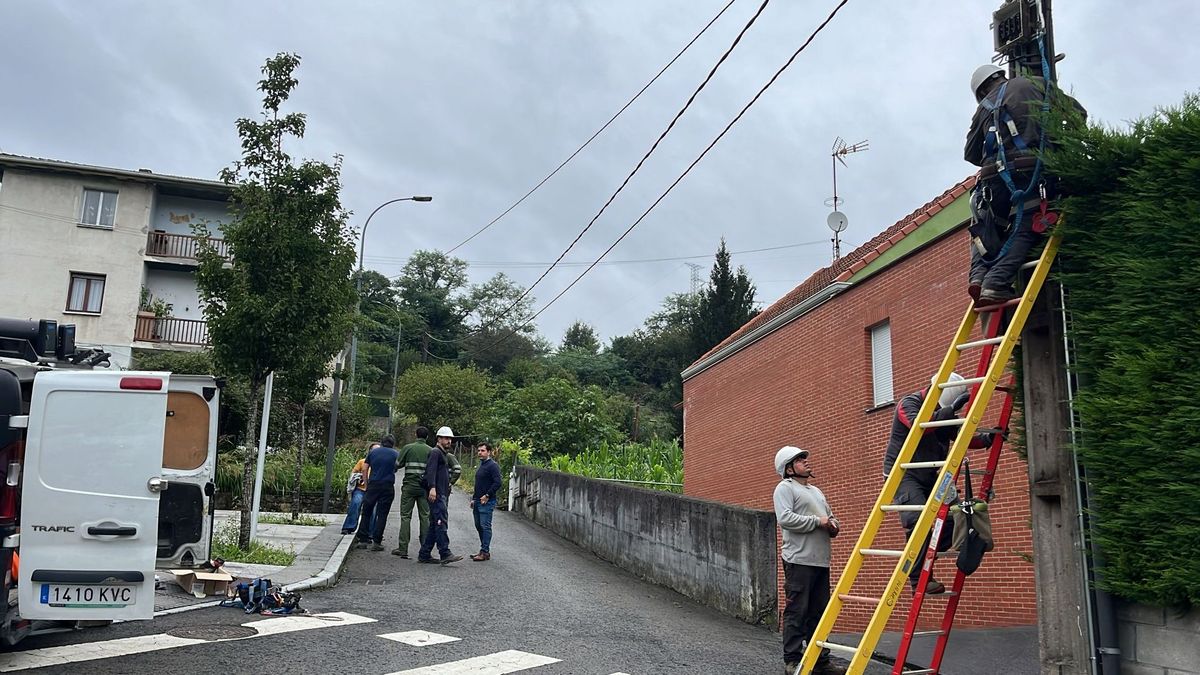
[1019, 196]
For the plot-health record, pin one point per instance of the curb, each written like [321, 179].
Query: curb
[328, 575]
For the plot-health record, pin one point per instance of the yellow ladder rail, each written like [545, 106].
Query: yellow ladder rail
[911, 554]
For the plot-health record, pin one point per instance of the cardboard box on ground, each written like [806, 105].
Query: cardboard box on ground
[203, 584]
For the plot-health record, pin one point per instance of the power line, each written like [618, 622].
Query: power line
[518, 264]
[642, 161]
[598, 131]
[696, 161]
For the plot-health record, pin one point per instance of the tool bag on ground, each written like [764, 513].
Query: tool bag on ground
[261, 597]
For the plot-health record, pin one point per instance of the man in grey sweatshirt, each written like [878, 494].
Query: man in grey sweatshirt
[808, 525]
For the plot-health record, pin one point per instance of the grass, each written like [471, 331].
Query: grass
[302, 519]
[225, 547]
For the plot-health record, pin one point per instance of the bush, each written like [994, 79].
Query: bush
[279, 470]
[654, 462]
[1129, 264]
[225, 547]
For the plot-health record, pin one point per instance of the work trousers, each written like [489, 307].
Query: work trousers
[410, 496]
[375, 509]
[807, 592]
[917, 495]
[437, 531]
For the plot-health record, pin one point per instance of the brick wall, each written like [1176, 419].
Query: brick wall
[809, 384]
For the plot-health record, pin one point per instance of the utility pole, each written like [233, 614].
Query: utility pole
[332, 448]
[395, 375]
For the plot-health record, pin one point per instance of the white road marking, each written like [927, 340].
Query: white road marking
[419, 638]
[509, 661]
[90, 651]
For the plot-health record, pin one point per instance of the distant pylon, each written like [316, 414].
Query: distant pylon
[695, 277]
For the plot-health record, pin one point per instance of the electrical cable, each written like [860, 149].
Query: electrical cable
[671, 187]
[598, 131]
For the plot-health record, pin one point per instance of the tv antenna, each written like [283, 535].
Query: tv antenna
[837, 220]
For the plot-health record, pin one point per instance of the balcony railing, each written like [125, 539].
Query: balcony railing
[185, 246]
[172, 330]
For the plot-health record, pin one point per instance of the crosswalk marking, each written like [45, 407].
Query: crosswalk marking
[91, 651]
[419, 638]
[509, 661]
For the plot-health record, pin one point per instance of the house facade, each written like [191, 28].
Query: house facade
[822, 369]
[103, 248]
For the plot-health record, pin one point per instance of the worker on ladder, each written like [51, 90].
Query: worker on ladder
[1009, 203]
[934, 446]
[808, 525]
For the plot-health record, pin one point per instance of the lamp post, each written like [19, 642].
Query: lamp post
[358, 287]
[333, 406]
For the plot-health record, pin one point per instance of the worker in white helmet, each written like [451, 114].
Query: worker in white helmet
[808, 525]
[437, 484]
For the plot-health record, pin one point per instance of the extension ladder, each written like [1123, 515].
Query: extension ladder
[948, 469]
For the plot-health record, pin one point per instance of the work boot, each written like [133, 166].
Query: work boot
[995, 296]
[403, 554]
[450, 559]
[359, 543]
[376, 547]
[790, 667]
[973, 290]
[481, 556]
[427, 561]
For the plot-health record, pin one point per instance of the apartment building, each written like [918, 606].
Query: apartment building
[109, 250]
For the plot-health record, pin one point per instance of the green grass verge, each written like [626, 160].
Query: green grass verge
[225, 547]
[303, 519]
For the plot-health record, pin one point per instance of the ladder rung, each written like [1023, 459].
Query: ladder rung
[918, 671]
[928, 632]
[979, 343]
[834, 647]
[1031, 263]
[998, 306]
[965, 382]
[1005, 388]
[846, 597]
[955, 422]
[880, 551]
[922, 465]
[901, 507]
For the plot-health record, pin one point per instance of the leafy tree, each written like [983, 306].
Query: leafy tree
[554, 417]
[445, 394]
[431, 288]
[493, 349]
[724, 306]
[606, 369]
[581, 337]
[285, 296]
[497, 304]
[380, 321]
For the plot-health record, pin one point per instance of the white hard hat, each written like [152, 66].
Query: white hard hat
[983, 74]
[786, 455]
[950, 393]
[445, 432]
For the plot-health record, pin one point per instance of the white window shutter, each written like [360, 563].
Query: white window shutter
[881, 362]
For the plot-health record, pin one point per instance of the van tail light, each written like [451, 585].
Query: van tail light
[10, 494]
[144, 383]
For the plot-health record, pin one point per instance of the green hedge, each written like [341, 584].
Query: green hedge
[1129, 262]
[279, 470]
[657, 461]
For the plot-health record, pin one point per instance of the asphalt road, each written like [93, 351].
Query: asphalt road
[541, 602]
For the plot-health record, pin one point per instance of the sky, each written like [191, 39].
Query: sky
[473, 103]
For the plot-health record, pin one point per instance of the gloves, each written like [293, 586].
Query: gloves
[960, 401]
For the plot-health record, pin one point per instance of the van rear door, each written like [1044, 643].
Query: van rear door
[189, 463]
[89, 522]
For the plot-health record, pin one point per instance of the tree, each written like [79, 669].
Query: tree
[285, 297]
[430, 287]
[444, 394]
[582, 337]
[554, 417]
[724, 306]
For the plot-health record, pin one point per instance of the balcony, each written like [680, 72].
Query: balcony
[171, 330]
[181, 246]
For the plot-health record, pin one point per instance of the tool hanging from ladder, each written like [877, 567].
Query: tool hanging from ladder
[1001, 348]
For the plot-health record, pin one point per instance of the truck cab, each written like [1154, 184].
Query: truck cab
[106, 476]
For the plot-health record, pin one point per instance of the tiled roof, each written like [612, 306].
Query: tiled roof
[850, 264]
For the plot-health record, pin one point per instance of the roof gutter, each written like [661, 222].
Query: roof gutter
[787, 316]
[18, 162]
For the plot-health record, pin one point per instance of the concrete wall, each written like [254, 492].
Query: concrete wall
[176, 215]
[723, 556]
[42, 242]
[177, 287]
[1157, 641]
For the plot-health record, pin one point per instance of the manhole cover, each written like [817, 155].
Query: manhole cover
[213, 632]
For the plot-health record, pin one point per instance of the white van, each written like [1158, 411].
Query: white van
[116, 476]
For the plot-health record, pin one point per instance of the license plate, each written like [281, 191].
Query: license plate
[76, 595]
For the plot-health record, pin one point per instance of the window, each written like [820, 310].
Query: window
[99, 208]
[881, 362]
[86, 293]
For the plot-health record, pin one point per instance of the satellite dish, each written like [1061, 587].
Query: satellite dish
[837, 221]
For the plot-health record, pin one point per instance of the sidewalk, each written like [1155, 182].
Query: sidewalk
[320, 553]
[973, 651]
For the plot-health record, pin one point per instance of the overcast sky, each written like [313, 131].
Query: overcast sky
[474, 102]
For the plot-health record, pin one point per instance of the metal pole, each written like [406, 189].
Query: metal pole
[262, 456]
[332, 448]
[395, 374]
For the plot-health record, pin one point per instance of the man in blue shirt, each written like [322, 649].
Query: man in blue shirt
[483, 502]
[381, 492]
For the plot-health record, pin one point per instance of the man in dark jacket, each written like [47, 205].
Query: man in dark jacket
[1004, 141]
[483, 502]
[934, 446]
[437, 486]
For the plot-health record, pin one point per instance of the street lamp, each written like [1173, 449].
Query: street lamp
[358, 287]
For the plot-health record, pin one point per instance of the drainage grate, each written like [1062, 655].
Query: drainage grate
[213, 632]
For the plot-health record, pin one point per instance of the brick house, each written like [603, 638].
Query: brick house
[821, 369]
